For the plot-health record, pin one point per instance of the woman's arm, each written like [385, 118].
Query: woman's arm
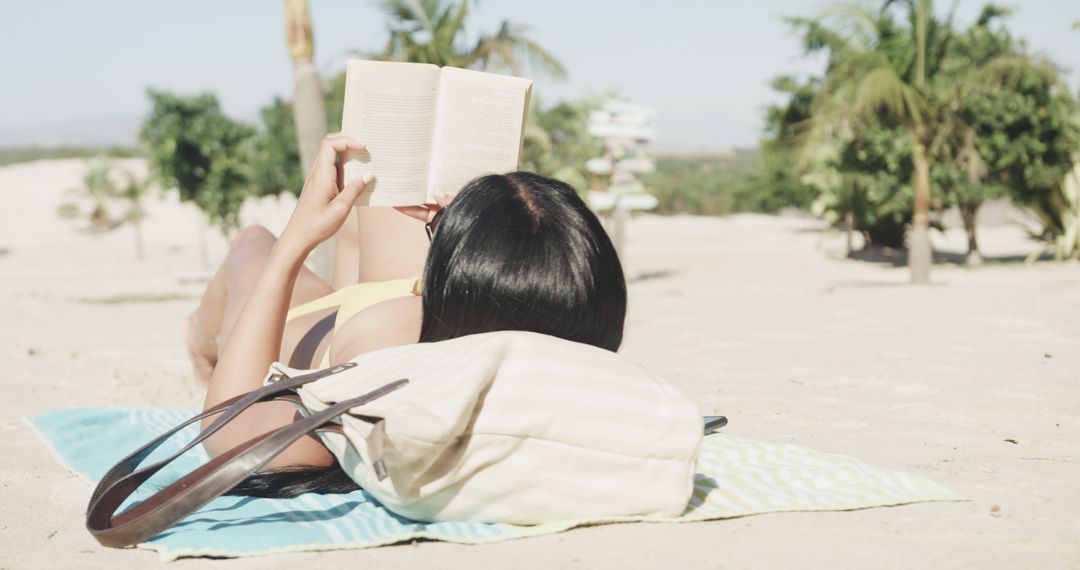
[390, 323]
[255, 341]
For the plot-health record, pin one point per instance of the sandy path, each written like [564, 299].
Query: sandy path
[755, 316]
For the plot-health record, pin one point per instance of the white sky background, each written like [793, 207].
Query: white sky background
[705, 65]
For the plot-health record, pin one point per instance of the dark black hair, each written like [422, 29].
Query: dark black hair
[514, 251]
[523, 252]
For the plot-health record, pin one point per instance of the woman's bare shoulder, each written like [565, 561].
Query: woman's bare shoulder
[393, 322]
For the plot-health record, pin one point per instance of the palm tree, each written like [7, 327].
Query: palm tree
[308, 106]
[431, 31]
[133, 192]
[100, 190]
[97, 190]
[879, 70]
[882, 71]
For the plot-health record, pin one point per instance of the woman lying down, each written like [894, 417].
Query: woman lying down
[508, 252]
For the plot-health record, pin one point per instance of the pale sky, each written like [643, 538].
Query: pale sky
[705, 65]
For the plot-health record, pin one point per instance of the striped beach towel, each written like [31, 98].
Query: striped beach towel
[736, 476]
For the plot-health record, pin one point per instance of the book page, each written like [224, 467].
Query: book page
[481, 117]
[390, 107]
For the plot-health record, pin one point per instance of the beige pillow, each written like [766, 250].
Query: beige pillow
[513, 427]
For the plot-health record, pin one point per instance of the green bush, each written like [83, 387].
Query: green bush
[743, 180]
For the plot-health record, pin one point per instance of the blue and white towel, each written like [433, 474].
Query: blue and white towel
[737, 477]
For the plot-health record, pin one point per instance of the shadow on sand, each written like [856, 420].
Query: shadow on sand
[898, 257]
[650, 275]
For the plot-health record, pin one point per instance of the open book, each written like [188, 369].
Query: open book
[429, 129]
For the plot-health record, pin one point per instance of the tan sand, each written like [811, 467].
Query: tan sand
[973, 381]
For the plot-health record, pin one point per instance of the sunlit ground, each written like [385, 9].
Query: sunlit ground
[970, 381]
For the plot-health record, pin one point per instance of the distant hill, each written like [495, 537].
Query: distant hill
[16, 155]
[121, 131]
[703, 152]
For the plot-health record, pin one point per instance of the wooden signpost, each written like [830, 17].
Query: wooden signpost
[624, 127]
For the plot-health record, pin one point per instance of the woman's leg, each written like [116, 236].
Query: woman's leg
[347, 252]
[305, 338]
[379, 244]
[374, 244]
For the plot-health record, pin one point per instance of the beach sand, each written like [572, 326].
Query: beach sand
[973, 381]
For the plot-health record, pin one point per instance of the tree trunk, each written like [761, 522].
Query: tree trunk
[919, 253]
[204, 247]
[967, 213]
[136, 224]
[620, 217]
[309, 111]
[849, 225]
[976, 170]
[99, 218]
[309, 107]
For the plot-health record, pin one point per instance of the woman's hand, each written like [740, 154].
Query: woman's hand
[426, 212]
[326, 200]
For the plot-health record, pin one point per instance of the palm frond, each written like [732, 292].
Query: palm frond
[430, 31]
[816, 36]
[858, 24]
[881, 89]
[510, 48]
[410, 14]
[991, 12]
[540, 59]
[450, 26]
[992, 73]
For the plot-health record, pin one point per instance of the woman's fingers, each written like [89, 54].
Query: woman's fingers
[419, 212]
[427, 211]
[351, 191]
[442, 198]
[325, 200]
[327, 165]
[333, 145]
[341, 143]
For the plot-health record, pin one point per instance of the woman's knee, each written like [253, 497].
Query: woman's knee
[248, 251]
[249, 235]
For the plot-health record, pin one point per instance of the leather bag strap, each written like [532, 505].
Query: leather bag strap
[185, 496]
[231, 408]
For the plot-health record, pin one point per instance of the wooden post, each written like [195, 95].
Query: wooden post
[620, 217]
[623, 127]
